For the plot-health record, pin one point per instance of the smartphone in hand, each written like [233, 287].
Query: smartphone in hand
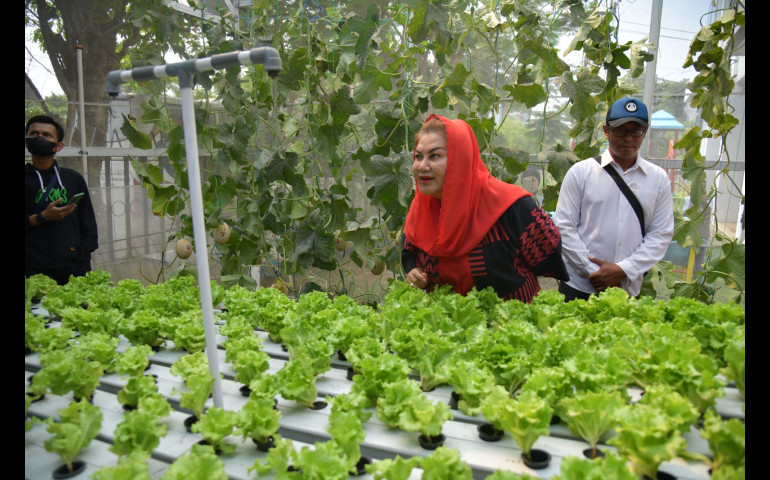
[76, 198]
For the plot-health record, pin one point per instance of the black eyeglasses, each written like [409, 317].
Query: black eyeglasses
[620, 133]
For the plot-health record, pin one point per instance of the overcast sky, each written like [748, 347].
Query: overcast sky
[680, 21]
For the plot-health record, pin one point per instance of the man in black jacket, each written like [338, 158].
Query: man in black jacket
[59, 234]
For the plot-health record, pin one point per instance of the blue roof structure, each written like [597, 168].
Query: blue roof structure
[662, 120]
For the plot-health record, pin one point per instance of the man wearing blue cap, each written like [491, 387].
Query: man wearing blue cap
[607, 241]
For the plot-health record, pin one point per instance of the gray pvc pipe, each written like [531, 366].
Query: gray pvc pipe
[184, 70]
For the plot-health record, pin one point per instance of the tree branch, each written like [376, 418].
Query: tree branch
[31, 87]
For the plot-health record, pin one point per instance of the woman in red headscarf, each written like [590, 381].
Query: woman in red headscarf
[468, 229]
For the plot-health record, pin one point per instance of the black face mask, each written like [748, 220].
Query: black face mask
[40, 146]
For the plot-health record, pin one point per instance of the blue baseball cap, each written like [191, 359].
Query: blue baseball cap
[627, 110]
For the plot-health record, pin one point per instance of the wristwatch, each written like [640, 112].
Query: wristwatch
[40, 219]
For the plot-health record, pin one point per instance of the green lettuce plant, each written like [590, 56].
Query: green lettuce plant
[347, 431]
[258, 419]
[34, 328]
[396, 468]
[436, 361]
[143, 327]
[296, 381]
[508, 475]
[646, 436]
[590, 414]
[735, 357]
[186, 331]
[92, 319]
[471, 383]
[610, 466]
[98, 346]
[129, 467]
[50, 339]
[727, 442]
[215, 425]
[324, 461]
[139, 430]
[37, 286]
[526, 417]
[66, 371]
[137, 387]
[200, 463]
[277, 459]
[79, 423]
[134, 360]
[193, 369]
[445, 463]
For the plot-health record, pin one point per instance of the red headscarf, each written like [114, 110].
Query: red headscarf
[472, 199]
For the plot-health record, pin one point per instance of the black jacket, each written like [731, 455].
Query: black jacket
[522, 245]
[57, 245]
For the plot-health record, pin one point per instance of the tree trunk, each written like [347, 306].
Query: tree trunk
[92, 25]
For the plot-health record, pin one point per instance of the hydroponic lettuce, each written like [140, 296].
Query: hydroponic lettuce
[65, 371]
[37, 286]
[133, 361]
[727, 441]
[647, 437]
[91, 320]
[78, 424]
[445, 463]
[200, 463]
[215, 425]
[139, 430]
[526, 417]
[130, 467]
[258, 419]
[193, 368]
[509, 361]
[143, 327]
[396, 468]
[98, 347]
[589, 415]
[610, 466]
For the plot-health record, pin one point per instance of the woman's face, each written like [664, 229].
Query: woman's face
[429, 164]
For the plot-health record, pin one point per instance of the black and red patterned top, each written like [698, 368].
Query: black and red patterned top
[522, 245]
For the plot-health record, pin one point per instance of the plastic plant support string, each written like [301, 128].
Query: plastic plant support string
[184, 70]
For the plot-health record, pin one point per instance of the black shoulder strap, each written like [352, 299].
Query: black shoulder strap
[626, 191]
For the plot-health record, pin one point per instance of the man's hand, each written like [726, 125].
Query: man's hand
[417, 278]
[54, 213]
[608, 275]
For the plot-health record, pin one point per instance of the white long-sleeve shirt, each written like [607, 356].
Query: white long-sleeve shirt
[595, 219]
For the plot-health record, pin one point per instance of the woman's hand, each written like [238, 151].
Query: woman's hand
[417, 278]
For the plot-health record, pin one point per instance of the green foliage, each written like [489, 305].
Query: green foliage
[257, 419]
[215, 425]
[397, 468]
[526, 417]
[727, 441]
[610, 466]
[200, 463]
[646, 436]
[133, 361]
[138, 431]
[445, 463]
[590, 414]
[130, 467]
[78, 424]
[193, 368]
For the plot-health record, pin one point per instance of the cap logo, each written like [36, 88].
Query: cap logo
[631, 107]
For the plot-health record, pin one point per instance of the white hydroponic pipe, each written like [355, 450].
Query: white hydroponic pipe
[184, 70]
[82, 113]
